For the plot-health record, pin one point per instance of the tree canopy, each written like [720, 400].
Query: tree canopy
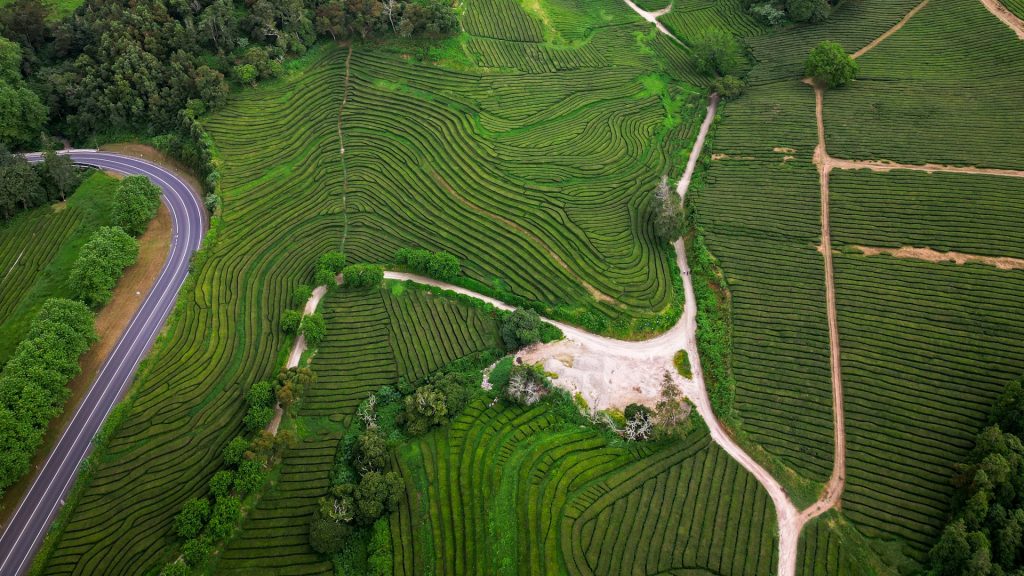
[830, 65]
[100, 262]
[717, 52]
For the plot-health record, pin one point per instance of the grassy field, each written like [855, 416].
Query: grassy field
[38, 249]
[373, 337]
[516, 491]
[944, 89]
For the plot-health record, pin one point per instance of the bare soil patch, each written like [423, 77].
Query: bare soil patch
[929, 255]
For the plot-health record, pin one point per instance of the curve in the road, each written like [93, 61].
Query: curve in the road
[28, 526]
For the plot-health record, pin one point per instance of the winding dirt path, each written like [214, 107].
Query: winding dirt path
[890, 31]
[1008, 18]
[652, 17]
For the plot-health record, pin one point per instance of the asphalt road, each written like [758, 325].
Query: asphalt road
[26, 529]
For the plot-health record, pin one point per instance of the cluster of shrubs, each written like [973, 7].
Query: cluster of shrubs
[111, 249]
[779, 12]
[362, 276]
[247, 461]
[350, 524]
[33, 382]
[985, 533]
[440, 265]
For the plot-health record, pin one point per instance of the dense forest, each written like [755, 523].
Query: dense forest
[140, 66]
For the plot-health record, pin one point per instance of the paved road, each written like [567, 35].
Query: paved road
[32, 518]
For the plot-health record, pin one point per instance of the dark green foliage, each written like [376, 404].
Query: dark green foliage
[985, 535]
[314, 328]
[717, 52]
[235, 450]
[221, 482]
[363, 276]
[100, 263]
[375, 495]
[1008, 411]
[226, 512]
[328, 535]
[380, 556]
[301, 295]
[728, 87]
[424, 409]
[21, 113]
[33, 382]
[633, 410]
[249, 477]
[333, 261]
[196, 551]
[58, 175]
[371, 450]
[189, 522]
[830, 66]
[440, 265]
[135, 204]
[807, 10]
[290, 321]
[520, 328]
[500, 373]
[20, 188]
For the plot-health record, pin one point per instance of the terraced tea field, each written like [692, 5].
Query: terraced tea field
[373, 337]
[37, 251]
[515, 491]
[689, 17]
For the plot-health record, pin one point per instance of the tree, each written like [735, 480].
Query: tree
[196, 550]
[226, 512]
[333, 261]
[1008, 412]
[189, 522]
[100, 262]
[314, 328]
[829, 65]
[443, 266]
[290, 321]
[363, 276]
[640, 426]
[58, 174]
[21, 113]
[20, 188]
[527, 384]
[728, 86]
[371, 450]
[176, 568]
[717, 52]
[670, 408]
[221, 482]
[668, 212]
[807, 10]
[257, 418]
[217, 25]
[301, 295]
[380, 561]
[330, 529]
[136, 201]
[246, 74]
[235, 451]
[520, 328]
[376, 494]
[249, 477]
[424, 409]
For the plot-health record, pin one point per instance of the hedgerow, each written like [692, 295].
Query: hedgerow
[100, 263]
[33, 383]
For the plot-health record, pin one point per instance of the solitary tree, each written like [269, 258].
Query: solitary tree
[668, 212]
[830, 65]
[717, 52]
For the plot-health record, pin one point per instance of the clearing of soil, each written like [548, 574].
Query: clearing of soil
[929, 255]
